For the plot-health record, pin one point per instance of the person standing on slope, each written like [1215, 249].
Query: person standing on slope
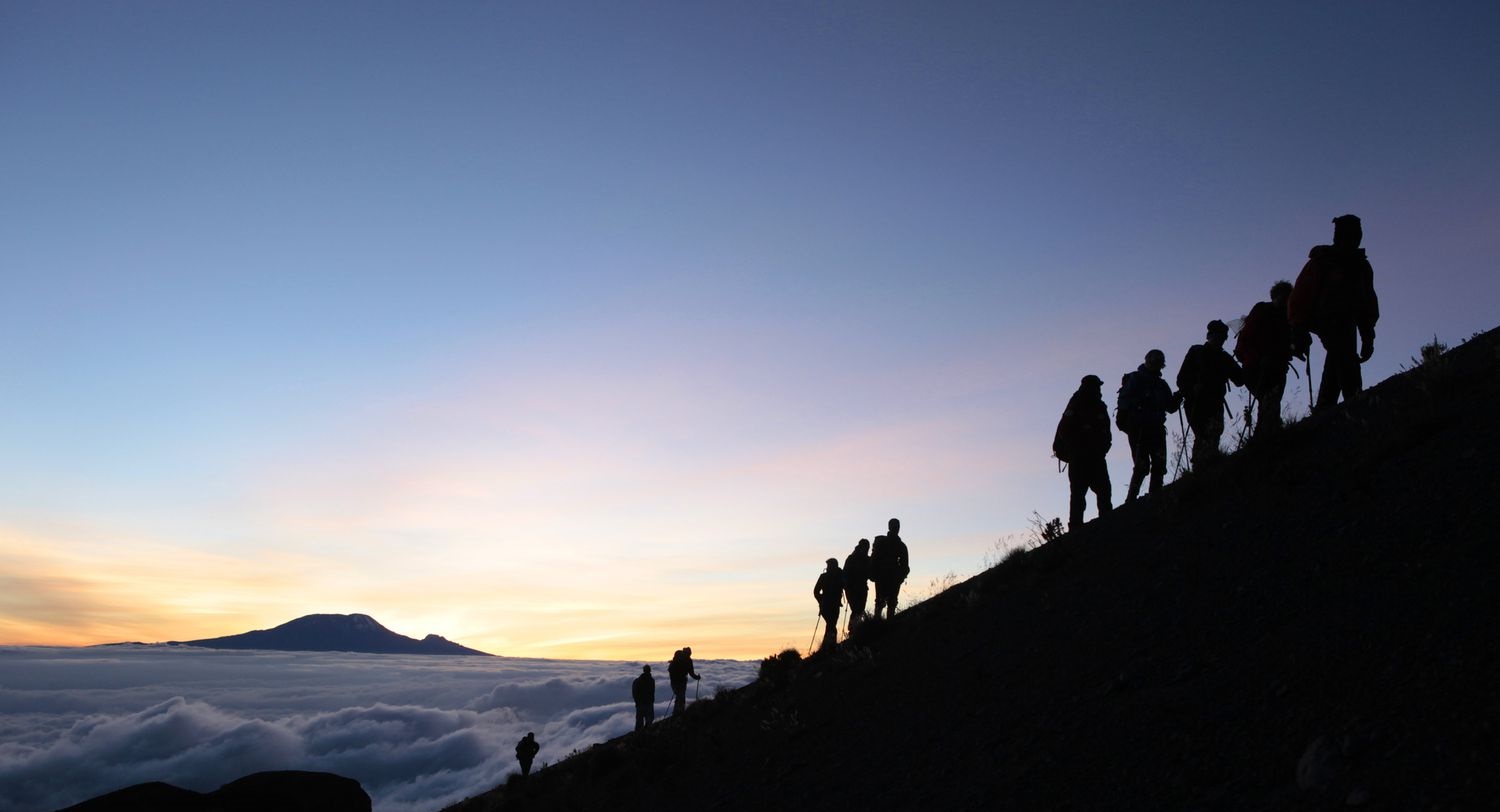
[526, 750]
[643, 691]
[829, 593]
[857, 582]
[1205, 375]
[1334, 299]
[889, 566]
[1082, 440]
[1264, 348]
[678, 672]
[1141, 411]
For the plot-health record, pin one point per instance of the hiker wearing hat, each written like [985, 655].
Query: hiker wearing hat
[678, 672]
[1082, 439]
[857, 582]
[1264, 347]
[829, 591]
[1334, 298]
[643, 691]
[1204, 378]
[1141, 410]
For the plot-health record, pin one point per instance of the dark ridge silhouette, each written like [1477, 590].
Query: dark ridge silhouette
[356, 633]
[284, 791]
[1303, 626]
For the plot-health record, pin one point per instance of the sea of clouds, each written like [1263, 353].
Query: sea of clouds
[418, 733]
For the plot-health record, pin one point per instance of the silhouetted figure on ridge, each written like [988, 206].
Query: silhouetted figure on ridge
[1082, 439]
[678, 672]
[829, 592]
[526, 750]
[643, 691]
[857, 582]
[889, 566]
[1334, 299]
[1264, 347]
[1141, 410]
[1204, 377]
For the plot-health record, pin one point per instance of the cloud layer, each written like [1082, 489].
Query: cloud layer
[417, 732]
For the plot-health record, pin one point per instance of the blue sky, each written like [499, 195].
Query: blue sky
[583, 329]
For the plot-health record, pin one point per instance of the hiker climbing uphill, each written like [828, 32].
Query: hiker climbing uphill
[1141, 410]
[526, 750]
[678, 671]
[857, 582]
[1334, 299]
[889, 566]
[1082, 440]
[1264, 348]
[1204, 377]
[829, 592]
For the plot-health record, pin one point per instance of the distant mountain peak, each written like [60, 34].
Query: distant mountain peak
[328, 632]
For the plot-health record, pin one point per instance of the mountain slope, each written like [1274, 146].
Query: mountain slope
[1306, 625]
[357, 633]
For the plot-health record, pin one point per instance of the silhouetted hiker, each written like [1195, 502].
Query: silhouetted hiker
[1082, 439]
[829, 591]
[526, 750]
[1205, 375]
[643, 691]
[678, 672]
[1141, 411]
[1334, 298]
[889, 566]
[1264, 347]
[857, 581]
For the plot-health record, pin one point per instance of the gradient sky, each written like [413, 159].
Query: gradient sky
[591, 329]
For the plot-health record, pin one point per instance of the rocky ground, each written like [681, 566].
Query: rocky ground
[1306, 625]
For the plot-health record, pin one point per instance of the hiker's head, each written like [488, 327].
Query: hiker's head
[1347, 231]
[1157, 360]
[645, 669]
[688, 650]
[893, 526]
[1091, 383]
[1281, 291]
[1218, 332]
[864, 544]
[832, 564]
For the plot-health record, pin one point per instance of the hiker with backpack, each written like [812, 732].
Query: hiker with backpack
[1334, 299]
[643, 692]
[829, 593]
[1082, 440]
[1264, 348]
[678, 671]
[889, 566]
[1203, 379]
[1141, 408]
[857, 582]
[526, 750]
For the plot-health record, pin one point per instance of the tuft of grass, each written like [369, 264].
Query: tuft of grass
[1043, 530]
[778, 669]
[1428, 356]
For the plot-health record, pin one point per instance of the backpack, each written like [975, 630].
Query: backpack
[1062, 441]
[1127, 403]
[1247, 343]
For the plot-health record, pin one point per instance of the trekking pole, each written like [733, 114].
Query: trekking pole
[814, 635]
[1308, 361]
